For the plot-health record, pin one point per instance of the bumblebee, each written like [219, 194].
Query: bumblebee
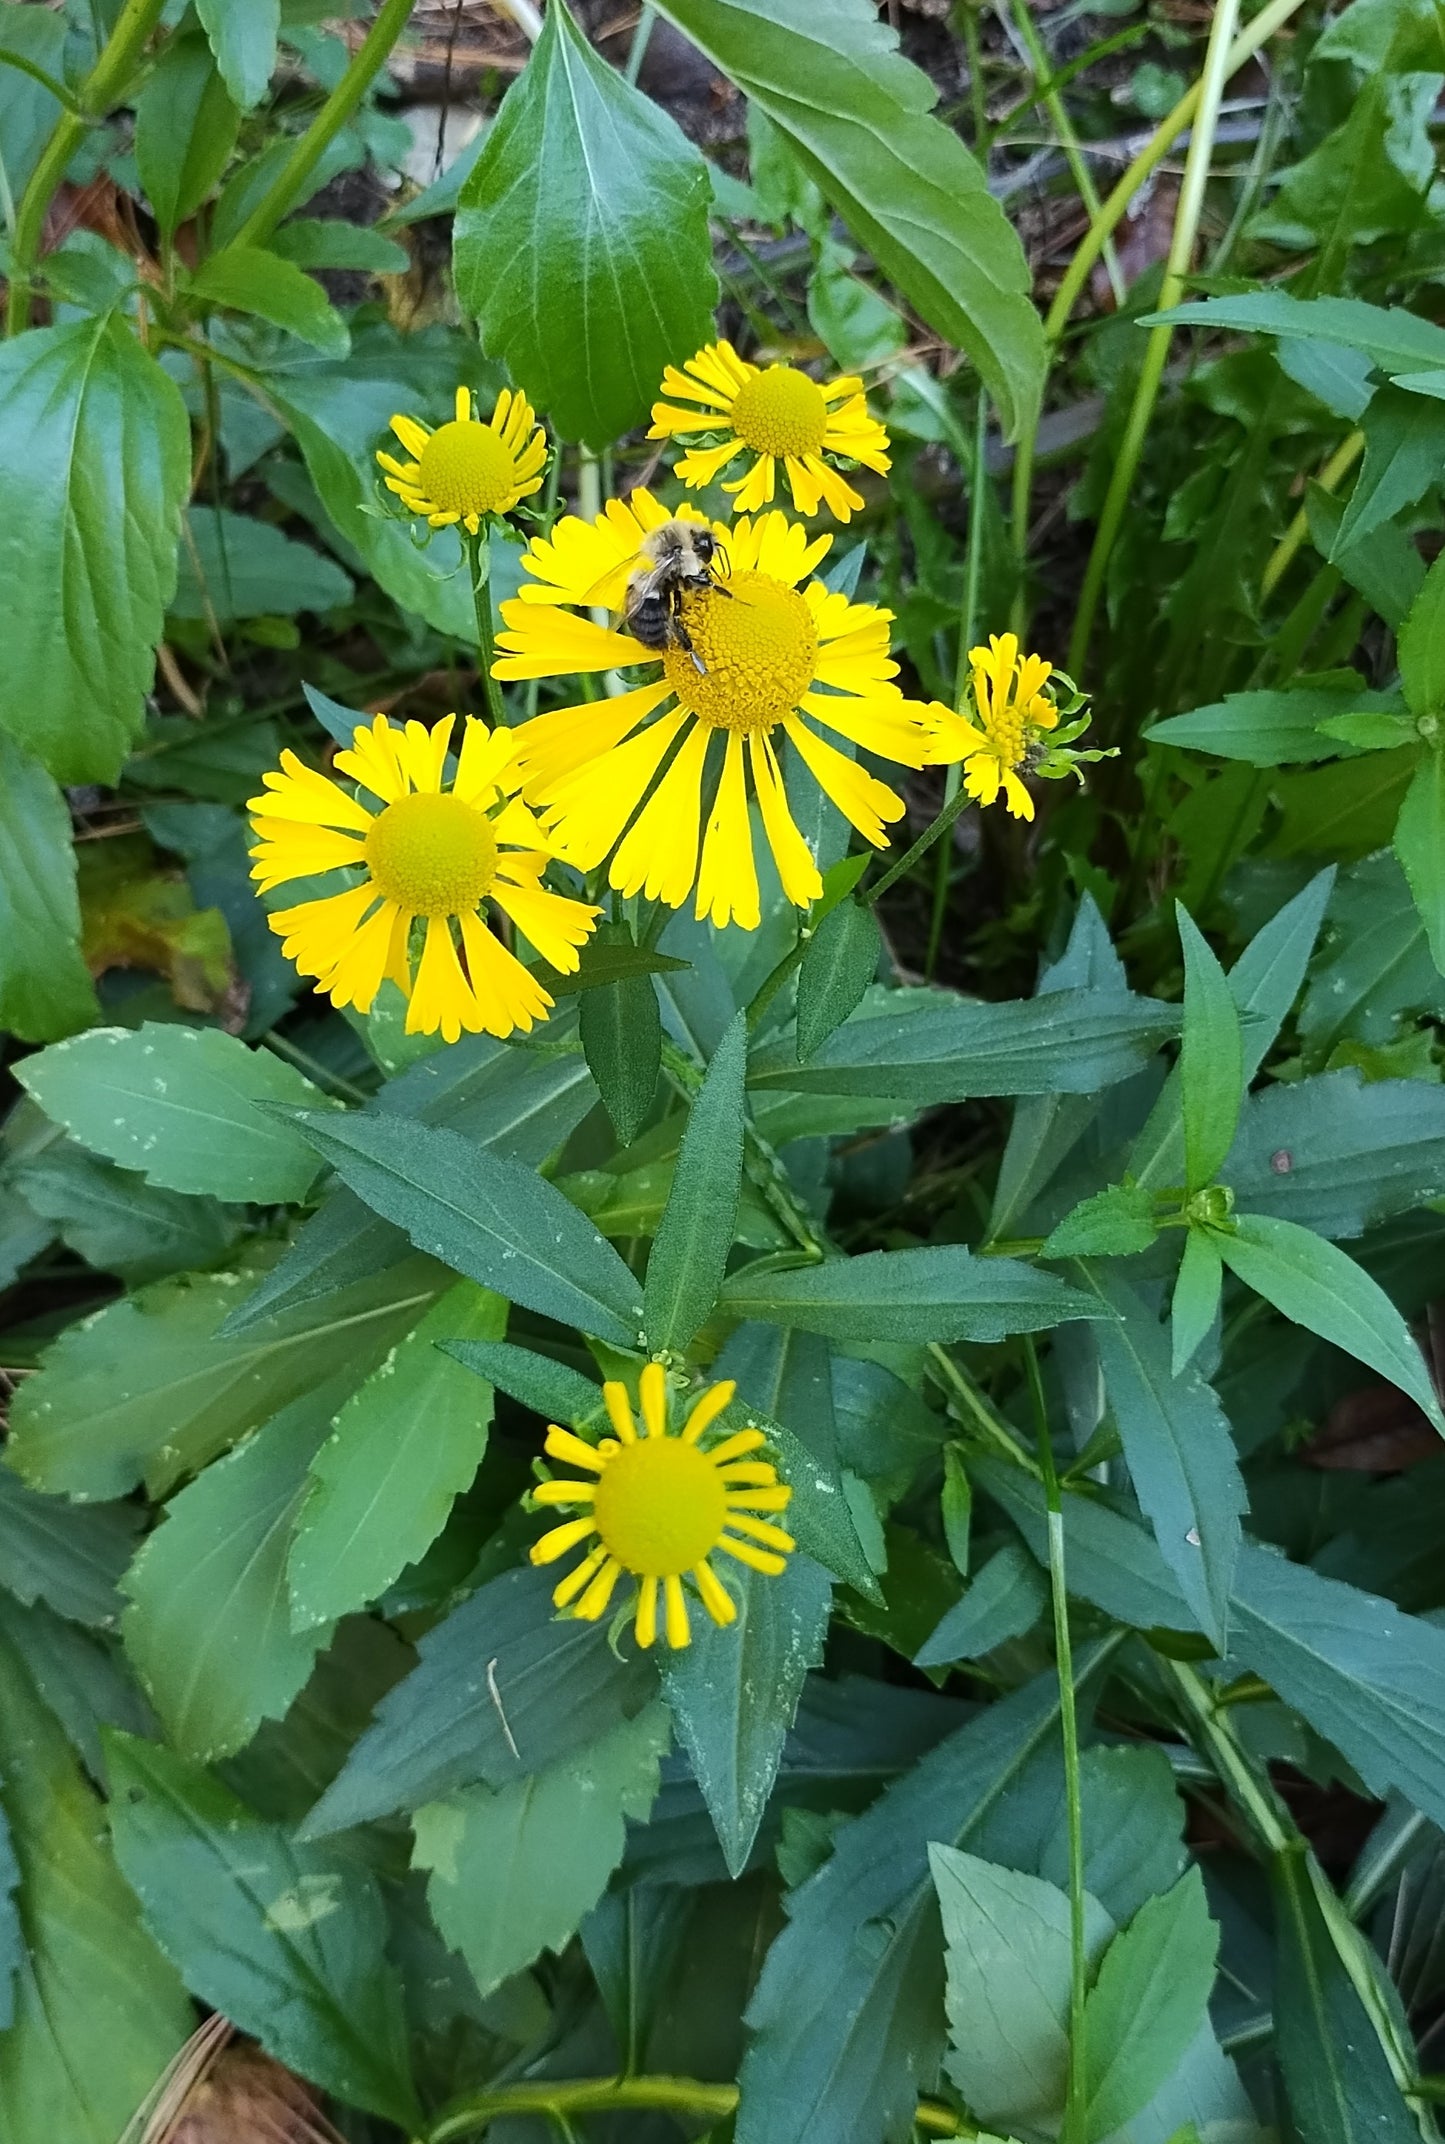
[676, 559]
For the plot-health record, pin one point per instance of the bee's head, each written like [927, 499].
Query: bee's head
[705, 544]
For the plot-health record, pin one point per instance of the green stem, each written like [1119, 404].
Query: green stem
[994, 1432]
[479, 564]
[101, 88]
[605, 2095]
[1075, 2109]
[1181, 252]
[967, 629]
[920, 847]
[1101, 228]
[641, 38]
[287, 188]
[1054, 105]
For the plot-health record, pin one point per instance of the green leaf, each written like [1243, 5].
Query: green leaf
[1337, 2080]
[1211, 1060]
[840, 962]
[184, 1105]
[1133, 1820]
[70, 1556]
[12, 1935]
[145, 1388]
[1396, 341]
[116, 1221]
[95, 462]
[1386, 569]
[549, 1388]
[858, 117]
[1377, 964]
[733, 1693]
[1404, 450]
[1338, 1153]
[690, 1251]
[243, 37]
[28, 110]
[847, 2017]
[1111, 1223]
[287, 1940]
[956, 1508]
[1317, 1285]
[209, 1625]
[947, 1050]
[503, 1688]
[1420, 846]
[1195, 1302]
[98, 2013]
[1003, 1601]
[1180, 1453]
[1113, 1560]
[248, 279]
[311, 243]
[402, 1449]
[581, 240]
[495, 1221]
[1006, 1937]
[513, 1870]
[1271, 729]
[1422, 663]
[941, 1292]
[621, 1028]
[185, 129]
[1148, 2003]
[234, 567]
[45, 986]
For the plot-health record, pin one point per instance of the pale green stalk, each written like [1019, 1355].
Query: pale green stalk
[1054, 105]
[1181, 253]
[102, 86]
[967, 629]
[605, 2095]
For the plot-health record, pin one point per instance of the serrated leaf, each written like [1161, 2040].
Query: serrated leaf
[185, 130]
[1377, 964]
[401, 1450]
[243, 36]
[581, 240]
[183, 1105]
[98, 2013]
[1133, 1823]
[621, 1028]
[1316, 1284]
[498, 1223]
[1404, 448]
[287, 1940]
[513, 1870]
[1003, 1601]
[251, 280]
[233, 566]
[1338, 1153]
[733, 1693]
[840, 962]
[1147, 2004]
[209, 1623]
[1211, 1060]
[858, 117]
[941, 1292]
[70, 1556]
[1396, 341]
[45, 986]
[1420, 845]
[503, 1688]
[549, 1388]
[1422, 664]
[1275, 728]
[1006, 1938]
[1111, 1223]
[95, 463]
[690, 1251]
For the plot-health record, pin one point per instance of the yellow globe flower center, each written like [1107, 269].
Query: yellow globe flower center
[467, 469]
[434, 854]
[758, 645]
[781, 411]
[660, 1507]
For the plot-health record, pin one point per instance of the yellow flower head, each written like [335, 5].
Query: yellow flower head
[767, 656]
[466, 470]
[658, 1507]
[429, 853]
[1013, 711]
[777, 414]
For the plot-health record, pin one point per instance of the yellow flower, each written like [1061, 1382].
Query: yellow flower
[773, 657]
[1013, 711]
[466, 470]
[429, 853]
[659, 1507]
[780, 415]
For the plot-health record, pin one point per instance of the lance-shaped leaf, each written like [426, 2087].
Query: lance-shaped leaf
[940, 1292]
[1420, 846]
[1211, 1059]
[690, 1251]
[582, 246]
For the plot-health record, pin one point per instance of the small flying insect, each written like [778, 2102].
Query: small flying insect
[676, 559]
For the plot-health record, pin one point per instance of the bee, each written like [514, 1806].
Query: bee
[676, 559]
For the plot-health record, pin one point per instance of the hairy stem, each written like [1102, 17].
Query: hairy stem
[287, 188]
[1181, 252]
[479, 565]
[107, 78]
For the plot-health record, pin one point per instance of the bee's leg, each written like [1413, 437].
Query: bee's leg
[683, 638]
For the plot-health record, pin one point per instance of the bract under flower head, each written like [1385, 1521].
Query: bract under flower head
[659, 1506]
[778, 414]
[430, 853]
[465, 470]
[775, 655]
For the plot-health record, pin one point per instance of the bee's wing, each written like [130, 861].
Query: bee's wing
[610, 592]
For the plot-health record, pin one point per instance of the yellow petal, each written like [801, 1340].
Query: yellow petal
[316, 933]
[587, 812]
[548, 921]
[599, 1593]
[647, 1613]
[706, 1409]
[564, 1492]
[506, 996]
[424, 752]
[889, 725]
[557, 1542]
[412, 434]
[561, 1444]
[482, 764]
[359, 970]
[756, 488]
[554, 643]
[757, 1559]
[727, 881]
[286, 851]
[658, 855]
[577, 1579]
[298, 792]
[718, 1602]
[864, 801]
[733, 1447]
[550, 747]
[652, 1392]
[701, 464]
[802, 882]
[441, 1002]
[679, 1629]
[785, 550]
[619, 1411]
[374, 760]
